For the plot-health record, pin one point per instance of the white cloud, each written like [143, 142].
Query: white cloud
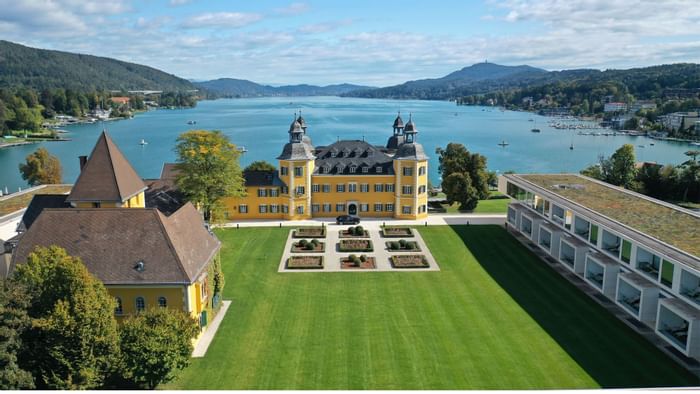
[293, 9]
[316, 28]
[221, 19]
[176, 3]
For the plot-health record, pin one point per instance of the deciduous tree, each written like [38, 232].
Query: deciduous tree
[72, 341]
[156, 344]
[13, 322]
[208, 168]
[41, 168]
[467, 174]
[260, 165]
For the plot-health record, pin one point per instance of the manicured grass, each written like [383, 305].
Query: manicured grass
[494, 204]
[494, 317]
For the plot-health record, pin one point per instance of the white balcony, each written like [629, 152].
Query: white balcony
[530, 225]
[679, 324]
[548, 238]
[638, 297]
[601, 272]
[572, 253]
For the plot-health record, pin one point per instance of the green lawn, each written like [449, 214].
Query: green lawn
[494, 317]
[494, 204]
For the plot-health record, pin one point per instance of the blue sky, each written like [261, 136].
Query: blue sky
[375, 43]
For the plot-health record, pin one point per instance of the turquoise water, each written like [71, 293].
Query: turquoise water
[261, 126]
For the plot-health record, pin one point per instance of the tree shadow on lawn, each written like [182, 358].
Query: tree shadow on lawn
[610, 352]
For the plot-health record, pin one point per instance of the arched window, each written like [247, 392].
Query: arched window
[162, 302]
[118, 310]
[140, 304]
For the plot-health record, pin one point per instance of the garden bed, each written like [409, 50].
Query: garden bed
[304, 246]
[305, 262]
[396, 232]
[355, 245]
[355, 262]
[354, 232]
[409, 261]
[403, 246]
[309, 232]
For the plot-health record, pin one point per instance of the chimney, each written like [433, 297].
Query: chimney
[83, 160]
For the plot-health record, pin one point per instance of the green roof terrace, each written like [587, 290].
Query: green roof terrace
[667, 223]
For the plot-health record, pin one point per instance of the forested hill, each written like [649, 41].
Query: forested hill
[230, 87]
[480, 77]
[22, 66]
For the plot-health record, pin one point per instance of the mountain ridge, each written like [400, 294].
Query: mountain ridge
[233, 87]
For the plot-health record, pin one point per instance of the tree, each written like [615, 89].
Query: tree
[260, 165]
[473, 180]
[458, 188]
[41, 168]
[208, 169]
[155, 345]
[72, 340]
[623, 171]
[13, 322]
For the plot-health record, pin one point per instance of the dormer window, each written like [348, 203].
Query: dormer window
[365, 170]
[334, 153]
[340, 168]
[358, 152]
[369, 152]
[379, 170]
[353, 169]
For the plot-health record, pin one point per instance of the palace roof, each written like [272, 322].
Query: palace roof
[340, 157]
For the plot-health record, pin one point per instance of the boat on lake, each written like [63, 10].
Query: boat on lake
[191, 122]
[242, 149]
[143, 142]
[503, 143]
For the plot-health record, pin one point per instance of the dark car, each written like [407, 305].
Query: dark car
[347, 219]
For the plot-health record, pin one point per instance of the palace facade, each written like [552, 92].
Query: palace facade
[347, 177]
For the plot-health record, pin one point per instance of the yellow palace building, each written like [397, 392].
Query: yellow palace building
[347, 177]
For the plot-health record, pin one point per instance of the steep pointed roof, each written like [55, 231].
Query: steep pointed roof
[107, 175]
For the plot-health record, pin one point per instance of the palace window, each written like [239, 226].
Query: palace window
[300, 190]
[274, 208]
[421, 170]
[379, 170]
[204, 288]
[315, 188]
[378, 187]
[378, 207]
[274, 192]
[352, 187]
[340, 207]
[298, 171]
[407, 171]
[262, 192]
[389, 207]
[389, 188]
[406, 209]
[407, 190]
[340, 188]
[285, 208]
[284, 171]
[364, 207]
[315, 208]
[326, 188]
[365, 170]
[326, 207]
[353, 169]
[262, 208]
[364, 188]
[300, 209]
[140, 304]
[162, 302]
[421, 189]
[119, 309]
[285, 190]
[243, 208]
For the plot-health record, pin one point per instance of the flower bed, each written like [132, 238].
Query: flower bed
[354, 232]
[304, 246]
[409, 261]
[355, 245]
[396, 232]
[354, 262]
[403, 246]
[305, 262]
[309, 232]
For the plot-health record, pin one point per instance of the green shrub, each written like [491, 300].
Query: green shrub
[315, 242]
[359, 230]
[351, 230]
[402, 242]
[352, 257]
[363, 258]
[395, 245]
[310, 246]
[412, 245]
[303, 243]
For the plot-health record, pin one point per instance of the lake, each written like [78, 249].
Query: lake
[261, 125]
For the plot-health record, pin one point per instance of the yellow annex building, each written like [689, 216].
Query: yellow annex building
[148, 247]
[346, 177]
